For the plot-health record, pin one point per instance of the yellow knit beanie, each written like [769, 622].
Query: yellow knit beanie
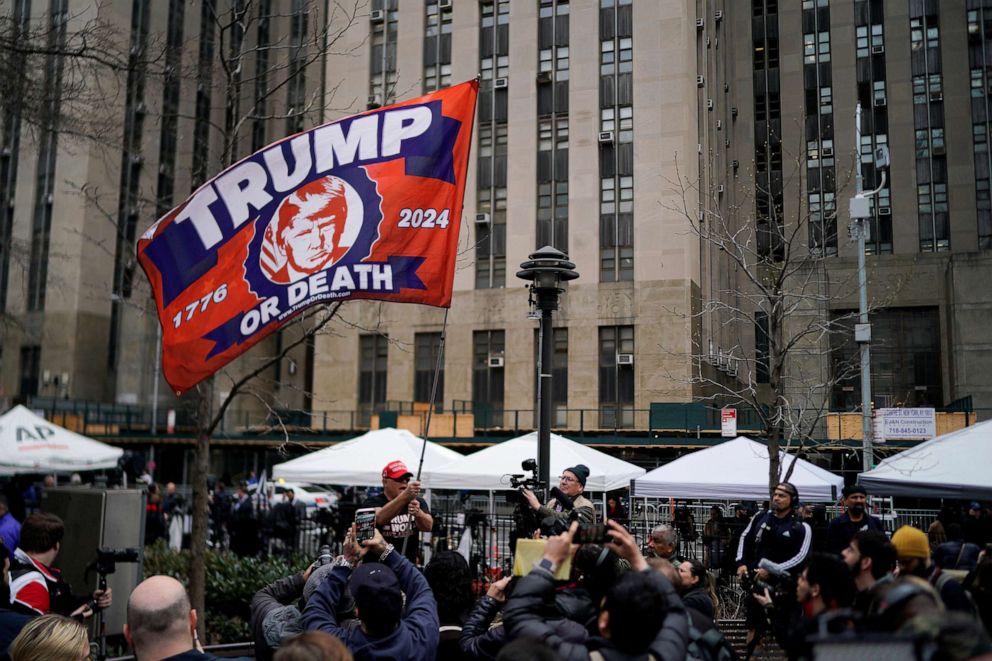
[911, 542]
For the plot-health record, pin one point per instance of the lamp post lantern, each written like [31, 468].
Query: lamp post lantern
[546, 270]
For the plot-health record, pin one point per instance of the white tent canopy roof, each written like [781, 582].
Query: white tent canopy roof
[955, 465]
[734, 469]
[359, 462]
[31, 444]
[486, 469]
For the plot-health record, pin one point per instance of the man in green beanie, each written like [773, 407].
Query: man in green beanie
[568, 500]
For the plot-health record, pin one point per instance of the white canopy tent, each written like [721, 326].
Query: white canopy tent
[31, 444]
[735, 469]
[486, 470]
[359, 462]
[954, 465]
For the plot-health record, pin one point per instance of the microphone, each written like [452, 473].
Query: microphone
[566, 502]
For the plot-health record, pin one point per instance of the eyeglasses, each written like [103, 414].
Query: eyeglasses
[402, 480]
[566, 479]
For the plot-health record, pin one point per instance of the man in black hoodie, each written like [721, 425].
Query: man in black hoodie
[641, 615]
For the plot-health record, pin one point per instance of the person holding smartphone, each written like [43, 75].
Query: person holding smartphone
[400, 512]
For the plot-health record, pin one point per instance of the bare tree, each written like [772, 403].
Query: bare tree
[774, 313]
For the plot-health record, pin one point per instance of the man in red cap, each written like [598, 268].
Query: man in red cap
[400, 511]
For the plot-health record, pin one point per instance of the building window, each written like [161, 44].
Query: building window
[437, 45]
[169, 122]
[928, 117]
[373, 352]
[616, 377]
[488, 354]
[490, 225]
[204, 85]
[768, 187]
[871, 84]
[382, 75]
[559, 375]
[979, 43]
[762, 355]
[552, 126]
[10, 141]
[263, 39]
[425, 353]
[296, 92]
[820, 172]
[41, 225]
[616, 142]
[30, 370]
[905, 360]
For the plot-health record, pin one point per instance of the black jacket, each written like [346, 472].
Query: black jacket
[842, 529]
[277, 594]
[524, 617]
[784, 541]
[699, 599]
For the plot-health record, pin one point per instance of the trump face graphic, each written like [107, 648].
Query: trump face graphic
[310, 231]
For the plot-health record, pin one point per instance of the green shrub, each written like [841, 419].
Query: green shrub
[231, 584]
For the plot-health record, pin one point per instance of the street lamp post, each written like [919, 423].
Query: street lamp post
[546, 270]
[860, 212]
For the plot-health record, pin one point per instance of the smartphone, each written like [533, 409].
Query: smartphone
[592, 533]
[364, 524]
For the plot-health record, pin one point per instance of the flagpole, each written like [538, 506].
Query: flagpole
[430, 411]
[437, 372]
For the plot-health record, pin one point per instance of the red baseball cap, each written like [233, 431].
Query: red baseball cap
[395, 470]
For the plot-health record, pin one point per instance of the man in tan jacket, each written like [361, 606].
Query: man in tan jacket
[571, 484]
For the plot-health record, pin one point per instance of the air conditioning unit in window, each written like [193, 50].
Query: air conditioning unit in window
[700, 81]
[936, 96]
[544, 77]
[495, 361]
[700, 23]
[939, 150]
[501, 83]
[5, 151]
[374, 101]
[377, 16]
[625, 359]
[606, 137]
[482, 219]
[718, 16]
[735, 164]
[726, 144]
[881, 101]
[828, 152]
[719, 125]
[709, 104]
[444, 4]
[885, 211]
[720, 189]
[733, 112]
[877, 50]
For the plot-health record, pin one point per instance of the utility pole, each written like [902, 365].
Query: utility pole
[860, 212]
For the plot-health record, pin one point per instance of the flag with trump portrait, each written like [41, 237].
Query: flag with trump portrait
[367, 207]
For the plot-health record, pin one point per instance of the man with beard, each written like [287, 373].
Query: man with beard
[913, 555]
[854, 519]
[871, 559]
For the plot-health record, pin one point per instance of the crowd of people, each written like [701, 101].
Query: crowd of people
[593, 592]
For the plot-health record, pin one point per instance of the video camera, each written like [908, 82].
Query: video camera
[521, 481]
[780, 583]
[107, 559]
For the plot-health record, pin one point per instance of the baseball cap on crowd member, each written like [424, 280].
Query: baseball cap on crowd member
[378, 598]
[974, 505]
[911, 542]
[852, 489]
[396, 470]
[581, 473]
